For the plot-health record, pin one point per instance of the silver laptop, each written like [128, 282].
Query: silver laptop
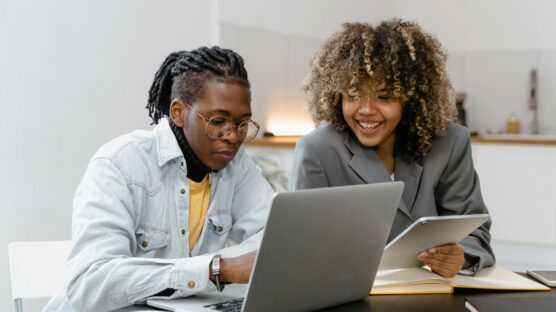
[321, 248]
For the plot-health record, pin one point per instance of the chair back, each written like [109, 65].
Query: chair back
[37, 269]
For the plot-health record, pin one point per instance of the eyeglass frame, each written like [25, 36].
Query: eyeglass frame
[235, 126]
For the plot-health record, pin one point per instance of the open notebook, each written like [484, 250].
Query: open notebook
[423, 281]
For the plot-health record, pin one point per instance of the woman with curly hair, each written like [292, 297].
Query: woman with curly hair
[385, 109]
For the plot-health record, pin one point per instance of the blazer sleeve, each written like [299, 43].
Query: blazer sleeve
[458, 192]
[307, 171]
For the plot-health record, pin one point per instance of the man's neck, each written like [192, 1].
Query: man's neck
[196, 170]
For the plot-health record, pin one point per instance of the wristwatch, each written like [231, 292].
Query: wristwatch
[216, 272]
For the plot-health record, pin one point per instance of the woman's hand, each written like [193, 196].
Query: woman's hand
[445, 260]
[238, 269]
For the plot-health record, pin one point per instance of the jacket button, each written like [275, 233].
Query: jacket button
[219, 229]
[144, 244]
[191, 284]
[182, 163]
[182, 191]
[182, 231]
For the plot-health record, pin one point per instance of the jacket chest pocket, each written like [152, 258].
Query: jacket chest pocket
[151, 239]
[220, 224]
[217, 231]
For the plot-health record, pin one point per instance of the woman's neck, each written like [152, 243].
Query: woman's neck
[385, 151]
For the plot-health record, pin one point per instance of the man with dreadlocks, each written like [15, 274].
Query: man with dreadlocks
[385, 104]
[155, 209]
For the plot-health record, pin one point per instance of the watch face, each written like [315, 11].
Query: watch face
[216, 265]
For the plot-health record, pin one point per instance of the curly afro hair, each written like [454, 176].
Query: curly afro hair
[401, 55]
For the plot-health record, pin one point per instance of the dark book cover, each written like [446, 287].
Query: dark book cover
[530, 303]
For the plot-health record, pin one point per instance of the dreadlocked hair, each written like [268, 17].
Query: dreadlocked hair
[183, 75]
[401, 55]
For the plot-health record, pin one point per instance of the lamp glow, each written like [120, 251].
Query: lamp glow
[285, 124]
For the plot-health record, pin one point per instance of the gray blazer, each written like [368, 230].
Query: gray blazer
[444, 182]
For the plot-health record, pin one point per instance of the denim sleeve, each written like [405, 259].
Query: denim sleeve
[103, 274]
[250, 203]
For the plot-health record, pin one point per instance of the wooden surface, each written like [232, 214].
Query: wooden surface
[289, 141]
[274, 141]
[515, 140]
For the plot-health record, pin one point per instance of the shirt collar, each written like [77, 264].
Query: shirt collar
[167, 144]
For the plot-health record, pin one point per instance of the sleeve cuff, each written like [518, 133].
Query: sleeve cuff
[191, 275]
[471, 265]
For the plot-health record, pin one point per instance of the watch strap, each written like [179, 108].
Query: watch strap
[216, 272]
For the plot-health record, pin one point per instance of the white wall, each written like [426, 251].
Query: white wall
[476, 25]
[73, 75]
[460, 25]
[277, 64]
[493, 45]
[303, 18]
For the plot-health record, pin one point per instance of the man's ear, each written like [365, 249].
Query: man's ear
[176, 112]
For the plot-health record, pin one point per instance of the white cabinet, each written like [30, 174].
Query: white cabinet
[518, 183]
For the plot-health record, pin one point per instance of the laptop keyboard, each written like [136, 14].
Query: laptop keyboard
[233, 305]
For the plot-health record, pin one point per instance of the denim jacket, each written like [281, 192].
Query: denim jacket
[130, 223]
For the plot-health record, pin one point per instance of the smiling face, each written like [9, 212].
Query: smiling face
[373, 116]
[218, 100]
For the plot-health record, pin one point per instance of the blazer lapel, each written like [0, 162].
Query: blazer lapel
[366, 164]
[410, 174]
[368, 167]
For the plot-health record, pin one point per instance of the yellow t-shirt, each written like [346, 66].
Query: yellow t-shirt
[199, 196]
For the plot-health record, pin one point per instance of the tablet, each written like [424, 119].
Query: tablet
[425, 233]
[546, 277]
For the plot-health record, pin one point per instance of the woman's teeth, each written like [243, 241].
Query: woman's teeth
[369, 125]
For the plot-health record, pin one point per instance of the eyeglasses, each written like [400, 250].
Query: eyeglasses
[219, 127]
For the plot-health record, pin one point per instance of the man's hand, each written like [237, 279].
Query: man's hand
[236, 270]
[445, 260]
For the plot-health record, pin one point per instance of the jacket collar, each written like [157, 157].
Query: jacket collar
[167, 145]
[410, 174]
[366, 164]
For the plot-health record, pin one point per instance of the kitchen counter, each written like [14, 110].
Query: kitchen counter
[532, 139]
[540, 139]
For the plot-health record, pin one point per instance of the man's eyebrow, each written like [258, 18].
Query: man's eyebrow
[227, 113]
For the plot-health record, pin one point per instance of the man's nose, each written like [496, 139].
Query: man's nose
[233, 135]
